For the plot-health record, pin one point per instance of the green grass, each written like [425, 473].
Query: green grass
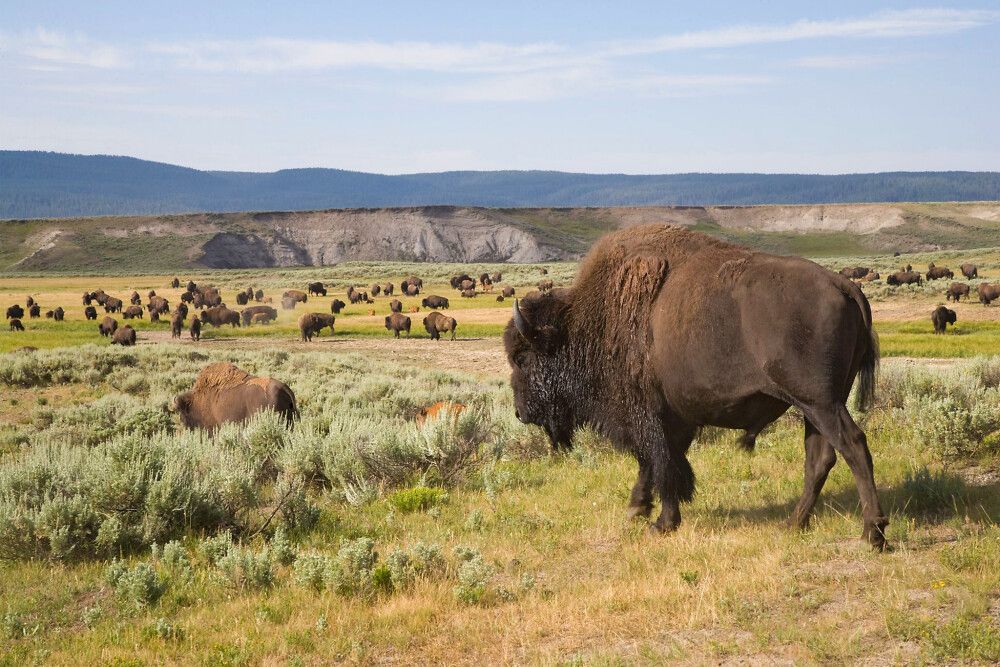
[917, 339]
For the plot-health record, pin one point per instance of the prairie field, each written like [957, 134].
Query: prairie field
[360, 536]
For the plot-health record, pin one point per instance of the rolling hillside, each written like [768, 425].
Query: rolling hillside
[44, 185]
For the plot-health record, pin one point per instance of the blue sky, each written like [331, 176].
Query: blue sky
[637, 87]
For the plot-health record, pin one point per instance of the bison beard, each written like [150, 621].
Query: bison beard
[666, 331]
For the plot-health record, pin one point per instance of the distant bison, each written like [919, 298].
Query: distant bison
[855, 272]
[496, 277]
[467, 284]
[29, 302]
[295, 294]
[904, 278]
[192, 286]
[387, 289]
[970, 271]
[181, 309]
[987, 293]
[316, 288]
[412, 290]
[310, 324]
[258, 295]
[175, 283]
[434, 302]
[195, 329]
[336, 306]
[375, 288]
[437, 323]
[90, 313]
[397, 322]
[132, 312]
[124, 336]
[223, 393]
[469, 293]
[500, 298]
[35, 310]
[15, 325]
[439, 408]
[113, 305]
[176, 325]
[219, 316]
[288, 303]
[956, 291]
[456, 281]
[508, 292]
[107, 326]
[259, 314]
[49, 314]
[396, 306]
[242, 299]
[941, 318]
[135, 299]
[938, 272]
[15, 311]
[59, 314]
[187, 297]
[545, 285]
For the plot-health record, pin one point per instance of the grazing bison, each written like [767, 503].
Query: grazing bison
[387, 289]
[266, 313]
[295, 294]
[356, 296]
[15, 311]
[437, 324]
[970, 271]
[500, 298]
[545, 286]
[987, 293]
[220, 315]
[396, 306]
[466, 284]
[107, 326]
[469, 293]
[956, 291]
[90, 313]
[310, 324]
[207, 297]
[175, 283]
[336, 306]
[242, 299]
[15, 325]
[938, 272]
[195, 329]
[135, 299]
[258, 296]
[484, 279]
[396, 322]
[941, 318]
[440, 408]
[154, 316]
[316, 288]
[176, 325]
[35, 311]
[101, 297]
[375, 288]
[904, 278]
[456, 281]
[113, 305]
[870, 276]
[413, 280]
[434, 302]
[124, 336]
[132, 312]
[49, 314]
[667, 330]
[59, 314]
[187, 297]
[508, 292]
[223, 393]
[855, 272]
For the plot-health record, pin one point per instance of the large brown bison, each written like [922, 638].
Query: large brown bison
[35, 311]
[987, 293]
[195, 329]
[242, 299]
[507, 292]
[413, 280]
[956, 291]
[434, 302]
[219, 316]
[107, 326]
[90, 313]
[16, 325]
[223, 393]
[176, 325]
[938, 272]
[387, 289]
[904, 278]
[295, 294]
[467, 284]
[436, 324]
[970, 271]
[192, 286]
[316, 288]
[375, 289]
[187, 297]
[855, 272]
[113, 305]
[135, 299]
[396, 322]
[59, 314]
[310, 324]
[336, 306]
[412, 290]
[395, 306]
[124, 336]
[15, 312]
[667, 330]
[132, 312]
[267, 314]
[941, 318]
[207, 297]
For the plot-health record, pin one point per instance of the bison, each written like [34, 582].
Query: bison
[242, 299]
[397, 322]
[182, 310]
[288, 303]
[469, 293]
[223, 393]
[157, 304]
[941, 318]
[666, 330]
[336, 306]
[437, 323]
[176, 325]
[192, 286]
[295, 294]
[904, 278]
[467, 284]
[970, 271]
[316, 288]
[413, 280]
[387, 289]
[187, 297]
[59, 314]
[175, 283]
[35, 311]
[267, 314]
[207, 297]
[956, 291]
[260, 318]
[258, 296]
[124, 336]
[107, 326]
[310, 324]
[456, 281]
[412, 290]
[987, 293]
[219, 316]
[855, 272]
[375, 288]
[938, 272]
[545, 286]
[15, 312]
[16, 325]
[870, 276]
[500, 298]
[29, 302]
[135, 299]
[497, 277]
[90, 313]
[195, 329]
[434, 302]
[395, 306]
[132, 312]
[507, 292]
[113, 305]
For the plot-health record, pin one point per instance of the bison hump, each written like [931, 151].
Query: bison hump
[221, 375]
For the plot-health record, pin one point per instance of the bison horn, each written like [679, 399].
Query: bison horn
[520, 323]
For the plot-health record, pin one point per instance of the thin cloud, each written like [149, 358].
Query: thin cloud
[61, 49]
[834, 62]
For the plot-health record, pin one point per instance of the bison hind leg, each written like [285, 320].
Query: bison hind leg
[748, 441]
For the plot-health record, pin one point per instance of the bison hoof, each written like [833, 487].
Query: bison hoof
[874, 533]
[661, 528]
[638, 512]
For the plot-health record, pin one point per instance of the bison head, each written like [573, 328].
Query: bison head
[541, 379]
[182, 406]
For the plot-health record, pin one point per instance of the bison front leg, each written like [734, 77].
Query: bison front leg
[673, 476]
[640, 503]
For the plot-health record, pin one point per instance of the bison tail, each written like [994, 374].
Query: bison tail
[865, 396]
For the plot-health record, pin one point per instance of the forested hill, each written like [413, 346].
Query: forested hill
[45, 185]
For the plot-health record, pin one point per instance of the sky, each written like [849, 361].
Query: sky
[605, 87]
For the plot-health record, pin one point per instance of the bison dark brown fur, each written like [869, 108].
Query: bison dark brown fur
[941, 318]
